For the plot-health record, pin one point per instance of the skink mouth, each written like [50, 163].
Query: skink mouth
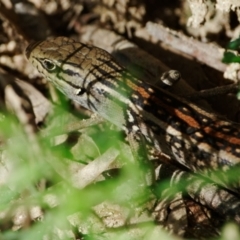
[30, 47]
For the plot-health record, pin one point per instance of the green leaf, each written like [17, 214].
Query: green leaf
[234, 45]
[230, 57]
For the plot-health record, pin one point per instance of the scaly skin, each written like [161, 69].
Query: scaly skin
[169, 124]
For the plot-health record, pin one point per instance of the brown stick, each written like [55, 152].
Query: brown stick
[206, 53]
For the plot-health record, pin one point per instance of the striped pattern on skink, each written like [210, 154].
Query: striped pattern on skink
[90, 76]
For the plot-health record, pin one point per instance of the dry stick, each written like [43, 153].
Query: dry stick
[209, 54]
[19, 103]
[231, 88]
[41, 105]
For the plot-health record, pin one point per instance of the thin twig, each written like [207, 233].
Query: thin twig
[206, 53]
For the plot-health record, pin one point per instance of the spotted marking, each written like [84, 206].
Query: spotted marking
[130, 117]
[135, 128]
[198, 134]
[78, 91]
[223, 136]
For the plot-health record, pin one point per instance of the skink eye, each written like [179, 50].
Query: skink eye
[50, 66]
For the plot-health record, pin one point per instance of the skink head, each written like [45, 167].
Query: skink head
[59, 55]
[82, 72]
